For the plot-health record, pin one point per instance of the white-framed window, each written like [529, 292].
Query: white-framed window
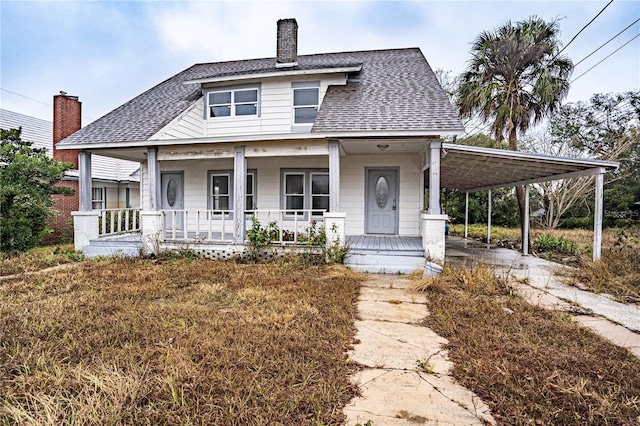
[98, 198]
[232, 102]
[305, 189]
[306, 100]
[220, 190]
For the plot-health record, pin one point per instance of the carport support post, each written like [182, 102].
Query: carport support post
[597, 216]
[466, 215]
[489, 218]
[434, 178]
[239, 205]
[525, 241]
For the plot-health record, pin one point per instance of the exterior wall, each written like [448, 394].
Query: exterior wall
[62, 223]
[352, 186]
[275, 117]
[352, 189]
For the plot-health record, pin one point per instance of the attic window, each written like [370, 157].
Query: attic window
[306, 100]
[232, 102]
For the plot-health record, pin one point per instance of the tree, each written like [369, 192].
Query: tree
[27, 178]
[516, 77]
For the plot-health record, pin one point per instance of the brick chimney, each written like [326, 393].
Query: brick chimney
[66, 120]
[287, 49]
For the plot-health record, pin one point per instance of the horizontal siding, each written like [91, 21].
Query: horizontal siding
[189, 124]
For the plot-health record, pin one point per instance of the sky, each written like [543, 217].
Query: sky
[107, 52]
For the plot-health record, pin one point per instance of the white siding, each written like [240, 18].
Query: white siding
[352, 186]
[276, 112]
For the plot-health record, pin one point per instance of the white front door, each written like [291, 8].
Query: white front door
[172, 198]
[382, 201]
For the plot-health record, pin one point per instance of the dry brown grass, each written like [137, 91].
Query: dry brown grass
[177, 341]
[530, 365]
[37, 259]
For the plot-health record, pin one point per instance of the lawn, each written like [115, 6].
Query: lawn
[37, 259]
[177, 341]
[531, 366]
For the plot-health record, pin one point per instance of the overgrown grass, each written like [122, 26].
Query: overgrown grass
[38, 258]
[530, 365]
[177, 341]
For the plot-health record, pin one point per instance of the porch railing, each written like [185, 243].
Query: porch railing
[115, 221]
[290, 226]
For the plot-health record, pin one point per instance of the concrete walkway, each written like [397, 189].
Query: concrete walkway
[615, 321]
[405, 380]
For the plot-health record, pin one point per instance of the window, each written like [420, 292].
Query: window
[305, 104]
[232, 102]
[220, 190]
[98, 198]
[305, 189]
[127, 198]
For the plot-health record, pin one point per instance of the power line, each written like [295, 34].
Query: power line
[583, 28]
[40, 102]
[607, 42]
[605, 58]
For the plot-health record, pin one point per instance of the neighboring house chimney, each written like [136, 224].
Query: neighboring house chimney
[66, 120]
[287, 49]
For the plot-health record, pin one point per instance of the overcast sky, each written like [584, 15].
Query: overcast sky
[108, 52]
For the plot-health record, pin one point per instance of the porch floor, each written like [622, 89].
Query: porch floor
[385, 243]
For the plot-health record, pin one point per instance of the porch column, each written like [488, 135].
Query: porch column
[151, 221]
[466, 215]
[85, 220]
[239, 195]
[525, 241]
[334, 175]
[597, 216]
[154, 179]
[489, 218]
[434, 178]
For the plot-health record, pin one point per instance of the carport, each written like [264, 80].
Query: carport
[474, 169]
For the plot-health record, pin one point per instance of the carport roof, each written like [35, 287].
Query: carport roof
[471, 168]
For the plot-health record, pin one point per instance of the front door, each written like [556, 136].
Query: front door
[382, 201]
[172, 198]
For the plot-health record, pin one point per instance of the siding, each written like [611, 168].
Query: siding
[352, 186]
[276, 112]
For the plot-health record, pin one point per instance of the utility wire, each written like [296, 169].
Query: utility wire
[607, 42]
[583, 28]
[40, 102]
[606, 57]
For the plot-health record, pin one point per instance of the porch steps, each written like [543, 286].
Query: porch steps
[385, 262]
[121, 245]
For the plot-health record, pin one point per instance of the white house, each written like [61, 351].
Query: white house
[353, 140]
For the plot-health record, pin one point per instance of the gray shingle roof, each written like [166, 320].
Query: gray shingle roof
[396, 90]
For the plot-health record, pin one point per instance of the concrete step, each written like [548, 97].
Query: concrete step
[106, 247]
[384, 263]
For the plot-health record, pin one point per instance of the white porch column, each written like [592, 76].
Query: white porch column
[239, 194]
[525, 242]
[334, 175]
[434, 178]
[598, 212]
[151, 221]
[85, 221]
[154, 179]
[84, 181]
[466, 215]
[489, 218]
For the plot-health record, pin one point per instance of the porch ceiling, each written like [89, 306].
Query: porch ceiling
[396, 145]
[470, 168]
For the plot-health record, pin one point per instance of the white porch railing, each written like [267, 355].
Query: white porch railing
[218, 225]
[114, 221]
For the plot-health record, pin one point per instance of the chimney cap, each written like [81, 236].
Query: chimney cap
[65, 95]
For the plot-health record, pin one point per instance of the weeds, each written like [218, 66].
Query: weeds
[530, 365]
[38, 258]
[177, 341]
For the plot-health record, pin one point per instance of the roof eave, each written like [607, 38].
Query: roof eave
[271, 74]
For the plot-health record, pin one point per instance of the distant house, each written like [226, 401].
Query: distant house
[351, 140]
[115, 184]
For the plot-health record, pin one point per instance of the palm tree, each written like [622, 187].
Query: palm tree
[516, 77]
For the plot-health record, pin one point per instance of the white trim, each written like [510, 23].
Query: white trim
[274, 74]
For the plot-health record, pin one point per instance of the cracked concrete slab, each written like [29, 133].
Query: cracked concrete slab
[405, 380]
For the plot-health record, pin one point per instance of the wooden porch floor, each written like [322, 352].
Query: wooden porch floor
[386, 243]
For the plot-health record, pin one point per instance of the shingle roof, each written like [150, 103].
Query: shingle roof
[396, 90]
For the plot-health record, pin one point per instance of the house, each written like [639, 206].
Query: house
[350, 140]
[115, 184]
